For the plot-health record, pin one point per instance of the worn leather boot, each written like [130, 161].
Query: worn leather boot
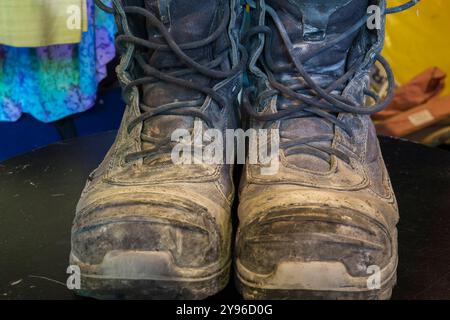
[145, 227]
[323, 226]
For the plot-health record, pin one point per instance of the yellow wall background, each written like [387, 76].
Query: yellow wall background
[419, 38]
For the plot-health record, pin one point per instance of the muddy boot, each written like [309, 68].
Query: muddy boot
[324, 225]
[146, 227]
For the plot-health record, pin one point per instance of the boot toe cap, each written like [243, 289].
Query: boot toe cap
[142, 223]
[293, 247]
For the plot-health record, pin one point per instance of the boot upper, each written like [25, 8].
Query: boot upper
[138, 199]
[331, 199]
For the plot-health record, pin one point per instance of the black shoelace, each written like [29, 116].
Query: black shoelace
[310, 99]
[128, 41]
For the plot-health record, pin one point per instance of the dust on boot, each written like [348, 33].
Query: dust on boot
[323, 226]
[145, 227]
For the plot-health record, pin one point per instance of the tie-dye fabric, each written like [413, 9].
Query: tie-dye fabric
[53, 82]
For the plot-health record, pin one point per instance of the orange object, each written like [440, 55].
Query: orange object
[418, 91]
[417, 118]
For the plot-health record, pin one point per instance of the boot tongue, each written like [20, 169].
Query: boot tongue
[309, 25]
[187, 21]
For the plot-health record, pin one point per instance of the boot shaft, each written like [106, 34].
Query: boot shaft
[327, 37]
[180, 54]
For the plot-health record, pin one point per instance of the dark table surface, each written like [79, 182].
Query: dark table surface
[39, 191]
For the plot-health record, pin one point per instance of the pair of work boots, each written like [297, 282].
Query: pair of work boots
[322, 225]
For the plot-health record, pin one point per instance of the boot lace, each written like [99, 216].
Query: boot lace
[308, 98]
[127, 42]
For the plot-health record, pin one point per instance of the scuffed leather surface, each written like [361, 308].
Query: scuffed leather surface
[159, 206]
[312, 210]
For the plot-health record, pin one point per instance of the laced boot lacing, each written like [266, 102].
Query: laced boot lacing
[127, 41]
[309, 99]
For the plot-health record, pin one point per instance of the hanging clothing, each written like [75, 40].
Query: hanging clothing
[53, 82]
[31, 23]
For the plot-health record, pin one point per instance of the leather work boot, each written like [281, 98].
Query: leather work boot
[323, 226]
[144, 226]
